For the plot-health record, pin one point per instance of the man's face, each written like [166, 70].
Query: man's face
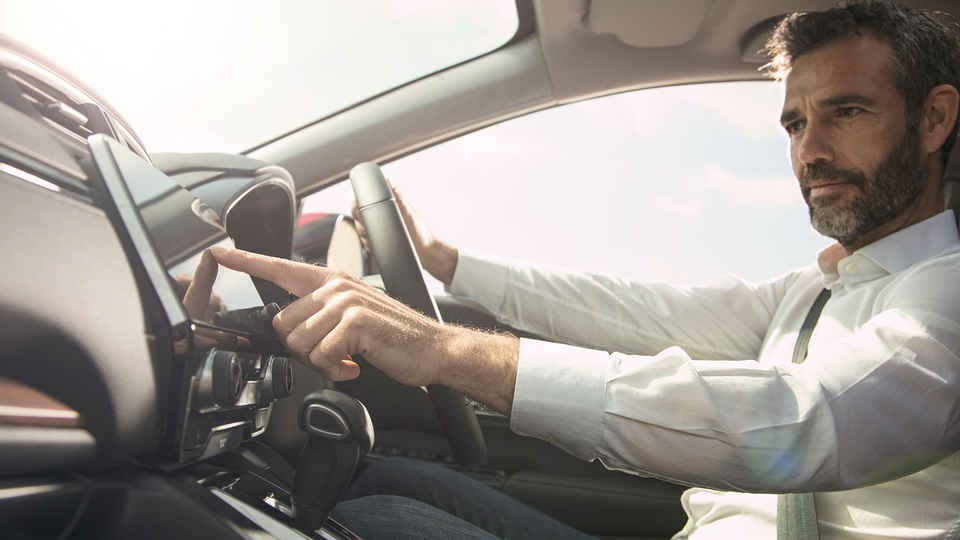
[858, 164]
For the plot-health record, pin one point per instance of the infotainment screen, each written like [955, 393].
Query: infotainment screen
[181, 227]
[231, 290]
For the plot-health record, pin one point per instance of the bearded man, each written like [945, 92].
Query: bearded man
[857, 425]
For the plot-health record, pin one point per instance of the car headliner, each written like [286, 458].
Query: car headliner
[565, 51]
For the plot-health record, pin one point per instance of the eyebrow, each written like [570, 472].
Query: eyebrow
[790, 115]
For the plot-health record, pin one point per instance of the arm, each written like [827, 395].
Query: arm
[727, 319]
[336, 316]
[873, 401]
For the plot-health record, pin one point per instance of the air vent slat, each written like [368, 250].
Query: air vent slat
[68, 113]
[53, 107]
[39, 93]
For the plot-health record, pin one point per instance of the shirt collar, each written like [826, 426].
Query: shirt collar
[894, 252]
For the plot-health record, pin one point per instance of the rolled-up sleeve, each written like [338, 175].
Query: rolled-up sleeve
[875, 405]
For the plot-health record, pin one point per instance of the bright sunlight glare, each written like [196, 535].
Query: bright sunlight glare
[221, 75]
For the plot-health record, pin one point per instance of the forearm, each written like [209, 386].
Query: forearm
[440, 259]
[724, 320]
[481, 365]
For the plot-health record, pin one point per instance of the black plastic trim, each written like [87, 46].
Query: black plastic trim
[26, 449]
[117, 202]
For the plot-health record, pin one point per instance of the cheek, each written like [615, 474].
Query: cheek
[865, 149]
[794, 161]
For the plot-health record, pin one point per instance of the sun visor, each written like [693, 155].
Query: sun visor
[648, 23]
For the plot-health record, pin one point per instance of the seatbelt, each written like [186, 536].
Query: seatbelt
[797, 512]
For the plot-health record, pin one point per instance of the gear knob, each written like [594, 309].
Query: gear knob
[339, 434]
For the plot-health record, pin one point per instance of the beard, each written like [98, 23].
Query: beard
[898, 181]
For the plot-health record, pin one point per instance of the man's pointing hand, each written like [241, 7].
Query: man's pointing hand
[337, 315]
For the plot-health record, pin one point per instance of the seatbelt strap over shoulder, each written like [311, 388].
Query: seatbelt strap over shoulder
[797, 512]
[806, 329]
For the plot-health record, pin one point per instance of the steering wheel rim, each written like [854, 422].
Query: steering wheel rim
[403, 278]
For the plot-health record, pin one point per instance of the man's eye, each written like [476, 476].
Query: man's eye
[848, 112]
[795, 127]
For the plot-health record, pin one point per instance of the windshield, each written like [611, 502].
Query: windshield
[675, 184]
[224, 76]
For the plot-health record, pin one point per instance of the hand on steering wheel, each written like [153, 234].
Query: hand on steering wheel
[438, 257]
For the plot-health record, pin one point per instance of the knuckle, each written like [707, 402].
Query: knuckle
[279, 324]
[296, 342]
[352, 298]
[354, 315]
[321, 358]
[316, 357]
[338, 302]
[339, 283]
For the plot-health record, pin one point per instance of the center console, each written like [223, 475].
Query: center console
[219, 364]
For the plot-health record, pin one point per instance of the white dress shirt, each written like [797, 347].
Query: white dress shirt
[699, 388]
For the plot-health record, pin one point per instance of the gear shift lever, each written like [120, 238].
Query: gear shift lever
[339, 434]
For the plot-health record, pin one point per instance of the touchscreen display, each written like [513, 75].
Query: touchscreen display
[181, 228]
[230, 290]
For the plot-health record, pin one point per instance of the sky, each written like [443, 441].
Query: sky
[225, 75]
[678, 184]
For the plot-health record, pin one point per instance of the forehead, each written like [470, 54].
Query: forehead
[856, 64]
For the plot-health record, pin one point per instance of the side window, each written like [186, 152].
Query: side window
[679, 184]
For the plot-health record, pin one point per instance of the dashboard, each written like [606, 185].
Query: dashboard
[132, 367]
[112, 319]
[218, 360]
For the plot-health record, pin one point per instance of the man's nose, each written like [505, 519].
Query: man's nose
[815, 144]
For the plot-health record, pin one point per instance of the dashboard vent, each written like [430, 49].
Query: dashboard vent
[67, 110]
[74, 120]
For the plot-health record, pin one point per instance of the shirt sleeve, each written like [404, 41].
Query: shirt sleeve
[727, 319]
[878, 402]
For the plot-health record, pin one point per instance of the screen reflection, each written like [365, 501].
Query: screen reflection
[207, 288]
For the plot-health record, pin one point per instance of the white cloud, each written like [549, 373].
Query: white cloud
[750, 191]
[672, 205]
[753, 109]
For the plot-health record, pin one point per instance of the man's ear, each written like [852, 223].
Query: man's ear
[939, 117]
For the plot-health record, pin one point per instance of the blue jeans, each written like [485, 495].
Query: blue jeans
[406, 498]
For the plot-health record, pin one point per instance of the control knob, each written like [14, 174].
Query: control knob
[221, 380]
[278, 379]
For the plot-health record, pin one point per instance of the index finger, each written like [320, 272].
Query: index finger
[197, 298]
[297, 278]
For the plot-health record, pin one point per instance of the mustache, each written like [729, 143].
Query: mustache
[819, 171]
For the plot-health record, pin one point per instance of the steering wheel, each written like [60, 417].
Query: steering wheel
[403, 278]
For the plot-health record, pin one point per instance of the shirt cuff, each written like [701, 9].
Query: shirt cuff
[559, 395]
[480, 280]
